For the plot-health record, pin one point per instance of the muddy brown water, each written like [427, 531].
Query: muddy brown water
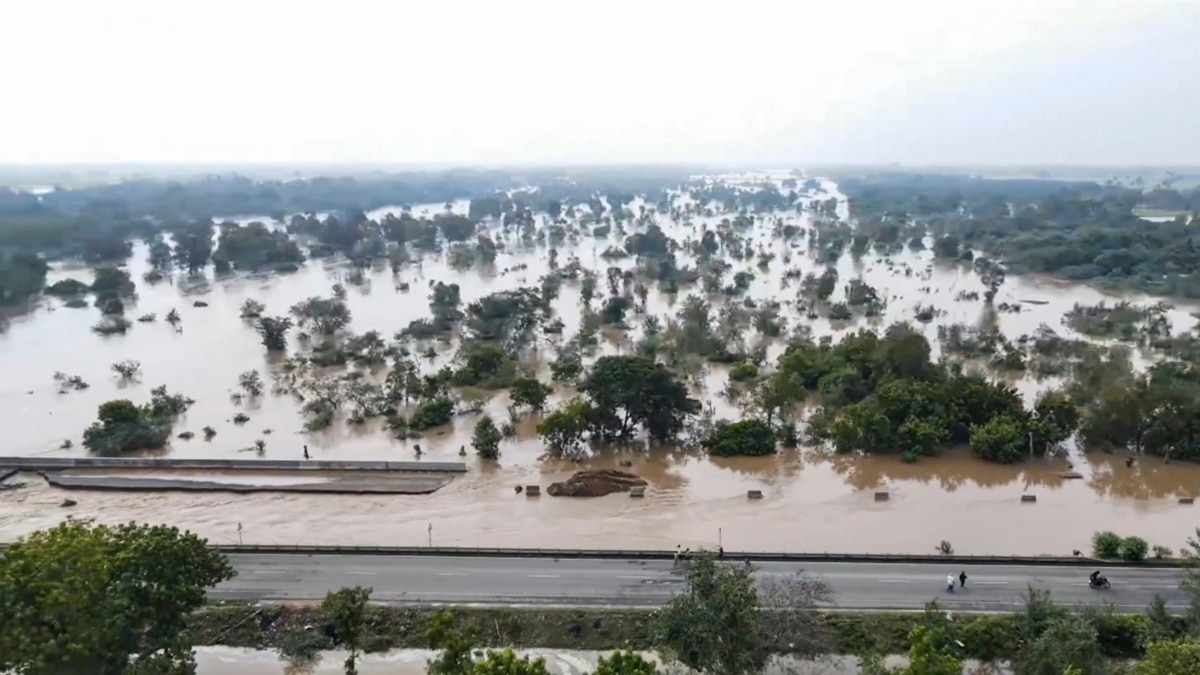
[812, 502]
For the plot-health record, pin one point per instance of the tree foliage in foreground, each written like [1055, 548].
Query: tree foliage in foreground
[723, 624]
[346, 611]
[458, 655]
[103, 600]
[1170, 658]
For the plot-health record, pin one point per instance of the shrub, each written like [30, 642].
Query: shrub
[1134, 549]
[1106, 545]
[433, 413]
[747, 438]
[743, 372]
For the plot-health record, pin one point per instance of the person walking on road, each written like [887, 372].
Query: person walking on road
[962, 579]
[950, 584]
[677, 551]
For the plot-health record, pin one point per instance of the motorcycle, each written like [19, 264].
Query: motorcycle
[1099, 582]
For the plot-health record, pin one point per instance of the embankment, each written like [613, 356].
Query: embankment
[39, 464]
[374, 484]
[994, 637]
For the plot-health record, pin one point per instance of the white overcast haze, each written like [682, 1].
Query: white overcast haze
[581, 81]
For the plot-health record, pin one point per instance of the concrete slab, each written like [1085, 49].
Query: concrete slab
[397, 484]
[63, 463]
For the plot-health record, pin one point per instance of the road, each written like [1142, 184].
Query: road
[490, 581]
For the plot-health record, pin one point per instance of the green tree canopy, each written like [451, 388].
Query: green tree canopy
[86, 598]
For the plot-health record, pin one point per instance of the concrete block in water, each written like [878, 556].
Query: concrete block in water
[882, 496]
[754, 494]
[637, 491]
[1187, 500]
[533, 490]
[1028, 498]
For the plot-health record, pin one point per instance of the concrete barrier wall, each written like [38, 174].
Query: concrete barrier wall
[616, 554]
[64, 463]
[374, 484]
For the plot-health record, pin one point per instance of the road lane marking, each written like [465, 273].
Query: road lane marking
[895, 581]
[635, 577]
[451, 574]
[361, 574]
[269, 572]
[543, 576]
[989, 583]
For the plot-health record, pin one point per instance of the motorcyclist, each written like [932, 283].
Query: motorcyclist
[1094, 578]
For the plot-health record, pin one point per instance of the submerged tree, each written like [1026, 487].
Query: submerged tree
[486, 439]
[324, 316]
[273, 330]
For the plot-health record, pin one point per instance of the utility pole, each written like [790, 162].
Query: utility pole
[430, 531]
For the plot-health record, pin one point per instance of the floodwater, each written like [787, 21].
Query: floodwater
[231, 661]
[812, 502]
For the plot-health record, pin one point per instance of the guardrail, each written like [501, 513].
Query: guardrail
[618, 554]
[64, 463]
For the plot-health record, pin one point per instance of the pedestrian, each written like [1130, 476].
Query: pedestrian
[950, 584]
[962, 579]
[306, 452]
[677, 551]
[720, 552]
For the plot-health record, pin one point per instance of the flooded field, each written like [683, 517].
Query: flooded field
[813, 501]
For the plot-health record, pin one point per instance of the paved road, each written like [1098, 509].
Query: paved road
[641, 583]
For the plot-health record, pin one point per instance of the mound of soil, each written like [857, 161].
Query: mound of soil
[595, 484]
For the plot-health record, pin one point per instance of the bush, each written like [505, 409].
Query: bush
[990, 638]
[1134, 549]
[743, 372]
[1106, 545]
[747, 438]
[123, 427]
[999, 440]
[431, 414]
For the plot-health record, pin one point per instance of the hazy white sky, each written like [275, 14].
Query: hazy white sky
[508, 81]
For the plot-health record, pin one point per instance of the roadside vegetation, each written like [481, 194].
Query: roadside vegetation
[82, 597]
